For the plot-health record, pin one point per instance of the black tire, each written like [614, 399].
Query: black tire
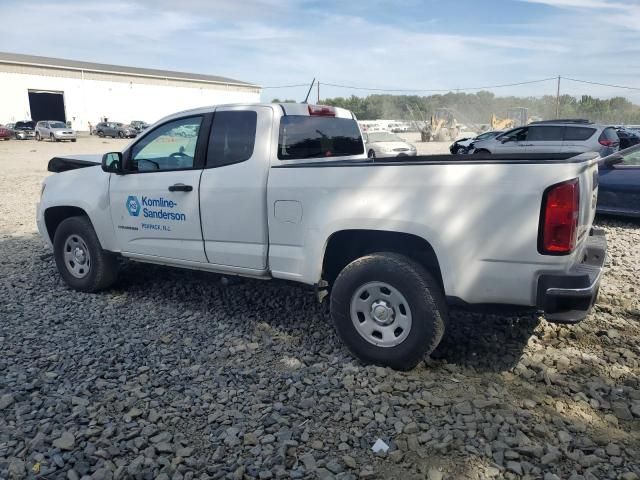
[120, 134]
[100, 133]
[423, 296]
[38, 137]
[371, 154]
[103, 269]
[73, 140]
[481, 151]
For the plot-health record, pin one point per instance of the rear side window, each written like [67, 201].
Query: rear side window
[304, 136]
[610, 134]
[578, 133]
[233, 136]
[545, 134]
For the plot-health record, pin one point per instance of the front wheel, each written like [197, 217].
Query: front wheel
[38, 137]
[80, 259]
[389, 310]
[371, 154]
[121, 134]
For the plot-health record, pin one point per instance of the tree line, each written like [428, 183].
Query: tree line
[478, 107]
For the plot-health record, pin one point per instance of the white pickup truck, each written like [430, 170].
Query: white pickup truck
[286, 191]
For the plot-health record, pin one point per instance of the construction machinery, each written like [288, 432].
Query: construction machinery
[516, 117]
[442, 127]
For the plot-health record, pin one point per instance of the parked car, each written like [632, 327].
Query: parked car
[139, 125]
[385, 144]
[5, 133]
[628, 137]
[619, 183]
[464, 145]
[10, 126]
[24, 130]
[54, 131]
[553, 136]
[115, 129]
[391, 242]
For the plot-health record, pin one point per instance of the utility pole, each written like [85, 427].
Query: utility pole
[318, 85]
[558, 99]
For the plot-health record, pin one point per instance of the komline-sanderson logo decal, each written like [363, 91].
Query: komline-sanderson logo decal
[133, 205]
[159, 208]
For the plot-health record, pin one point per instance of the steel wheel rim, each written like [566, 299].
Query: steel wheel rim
[381, 314]
[76, 256]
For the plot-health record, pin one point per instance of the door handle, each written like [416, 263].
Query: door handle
[180, 187]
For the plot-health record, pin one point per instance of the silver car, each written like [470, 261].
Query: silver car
[552, 136]
[54, 131]
[385, 144]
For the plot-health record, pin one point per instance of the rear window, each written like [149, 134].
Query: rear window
[545, 134]
[578, 133]
[304, 136]
[609, 133]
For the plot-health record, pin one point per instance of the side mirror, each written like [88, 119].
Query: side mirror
[613, 160]
[112, 162]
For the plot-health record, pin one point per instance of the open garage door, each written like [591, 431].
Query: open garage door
[46, 105]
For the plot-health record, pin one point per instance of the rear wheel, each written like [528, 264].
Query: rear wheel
[100, 133]
[388, 310]
[371, 154]
[121, 134]
[80, 259]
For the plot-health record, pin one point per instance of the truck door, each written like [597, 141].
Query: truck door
[154, 206]
[233, 188]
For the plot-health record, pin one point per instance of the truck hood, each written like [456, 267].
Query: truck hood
[72, 162]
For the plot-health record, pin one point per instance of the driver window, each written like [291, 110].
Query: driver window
[171, 146]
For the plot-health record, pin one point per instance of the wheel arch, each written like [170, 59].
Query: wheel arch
[344, 246]
[54, 216]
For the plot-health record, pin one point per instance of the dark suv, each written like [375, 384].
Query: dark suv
[115, 129]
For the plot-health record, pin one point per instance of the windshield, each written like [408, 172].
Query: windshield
[487, 135]
[384, 137]
[57, 125]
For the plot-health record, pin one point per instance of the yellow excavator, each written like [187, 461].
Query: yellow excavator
[516, 117]
[442, 127]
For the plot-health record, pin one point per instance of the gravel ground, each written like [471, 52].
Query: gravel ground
[175, 374]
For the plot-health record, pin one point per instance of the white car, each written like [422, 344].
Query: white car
[385, 144]
[286, 191]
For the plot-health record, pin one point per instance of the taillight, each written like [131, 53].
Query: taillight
[559, 218]
[606, 142]
[322, 110]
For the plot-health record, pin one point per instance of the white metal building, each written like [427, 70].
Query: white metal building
[42, 88]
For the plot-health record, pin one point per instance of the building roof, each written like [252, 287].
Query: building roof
[34, 60]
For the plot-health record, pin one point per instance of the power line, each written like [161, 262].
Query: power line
[601, 84]
[438, 89]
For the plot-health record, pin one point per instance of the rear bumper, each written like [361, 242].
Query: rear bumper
[568, 297]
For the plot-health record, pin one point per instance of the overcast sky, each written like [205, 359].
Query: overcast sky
[401, 44]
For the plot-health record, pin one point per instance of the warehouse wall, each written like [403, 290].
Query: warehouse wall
[90, 96]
